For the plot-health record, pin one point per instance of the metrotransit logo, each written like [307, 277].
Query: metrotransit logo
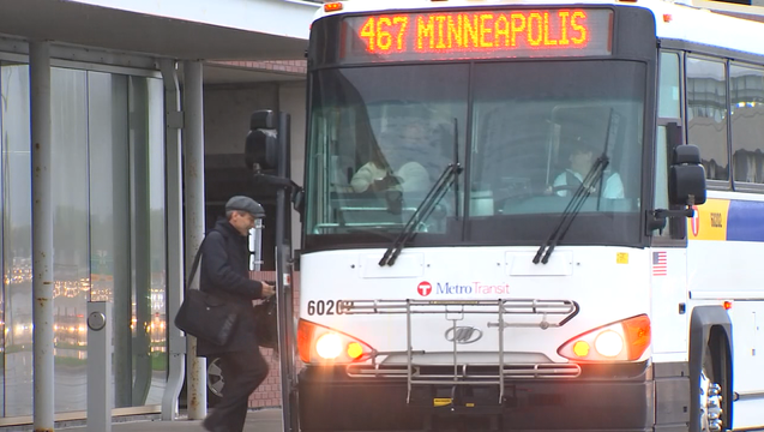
[426, 288]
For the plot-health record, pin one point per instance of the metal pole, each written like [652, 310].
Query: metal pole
[284, 285]
[193, 137]
[174, 180]
[258, 248]
[42, 243]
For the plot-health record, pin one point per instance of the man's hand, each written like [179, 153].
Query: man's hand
[268, 290]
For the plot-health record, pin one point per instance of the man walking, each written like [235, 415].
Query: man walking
[225, 273]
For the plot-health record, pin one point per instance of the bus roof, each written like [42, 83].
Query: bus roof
[685, 22]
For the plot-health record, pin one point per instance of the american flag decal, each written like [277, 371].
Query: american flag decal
[660, 264]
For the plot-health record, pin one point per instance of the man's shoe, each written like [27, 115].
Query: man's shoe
[208, 426]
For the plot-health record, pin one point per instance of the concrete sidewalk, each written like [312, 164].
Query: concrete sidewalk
[265, 420]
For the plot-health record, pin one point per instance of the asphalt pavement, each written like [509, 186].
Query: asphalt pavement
[265, 420]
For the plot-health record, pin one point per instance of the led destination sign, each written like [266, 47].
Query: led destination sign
[478, 34]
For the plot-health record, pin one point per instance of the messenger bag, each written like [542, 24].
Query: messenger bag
[205, 315]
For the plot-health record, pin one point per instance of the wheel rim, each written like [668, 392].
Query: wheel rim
[215, 380]
[710, 404]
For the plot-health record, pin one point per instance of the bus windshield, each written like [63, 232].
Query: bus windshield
[525, 132]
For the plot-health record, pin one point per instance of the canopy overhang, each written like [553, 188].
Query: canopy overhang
[180, 29]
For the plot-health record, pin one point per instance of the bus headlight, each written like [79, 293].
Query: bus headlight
[609, 343]
[329, 346]
[625, 340]
[319, 345]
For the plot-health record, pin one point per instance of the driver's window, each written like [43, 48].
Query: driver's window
[533, 157]
[669, 111]
[535, 137]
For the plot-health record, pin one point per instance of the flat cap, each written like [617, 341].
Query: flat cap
[247, 204]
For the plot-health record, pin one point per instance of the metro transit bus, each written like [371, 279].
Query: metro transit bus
[461, 271]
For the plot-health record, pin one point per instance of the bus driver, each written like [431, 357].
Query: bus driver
[582, 157]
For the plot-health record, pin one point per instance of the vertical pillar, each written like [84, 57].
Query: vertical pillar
[193, 140]
[42, 229]
[100, 390]
[284, 292]
[122, 309]
[175, 285]
[141, 261]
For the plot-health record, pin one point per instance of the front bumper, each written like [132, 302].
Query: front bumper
[605, 398]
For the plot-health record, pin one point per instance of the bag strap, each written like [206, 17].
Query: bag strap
[195, 265]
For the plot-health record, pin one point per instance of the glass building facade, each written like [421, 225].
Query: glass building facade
[109, 220]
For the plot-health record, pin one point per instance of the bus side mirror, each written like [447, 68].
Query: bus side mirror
[687, 177]
[261, 150]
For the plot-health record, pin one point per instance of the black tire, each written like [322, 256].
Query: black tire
[710, 401]
[723, 374]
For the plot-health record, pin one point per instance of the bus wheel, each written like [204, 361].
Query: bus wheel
[710, 397]
[215, 382]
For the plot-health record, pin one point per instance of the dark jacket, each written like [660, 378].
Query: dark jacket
[224, 272]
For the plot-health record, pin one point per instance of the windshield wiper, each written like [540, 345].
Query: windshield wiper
[594, 176]
[572, 209]
[422, 212]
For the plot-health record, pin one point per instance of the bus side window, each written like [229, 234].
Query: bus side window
[747, 122]
[707, 114]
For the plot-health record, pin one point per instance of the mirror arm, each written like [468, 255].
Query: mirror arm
[277, 181]
[296, 191]
[656, 219]
[663, 213]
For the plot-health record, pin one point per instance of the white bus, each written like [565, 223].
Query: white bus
[496, 231]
